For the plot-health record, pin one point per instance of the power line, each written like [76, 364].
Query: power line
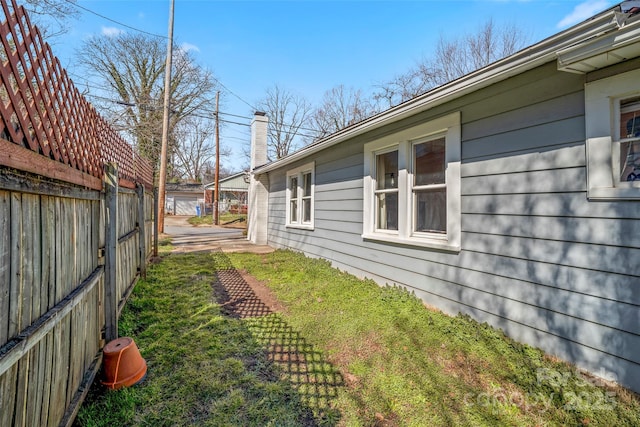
[114, 21]
[202, 116]
[93, 85]
[235, 115]
[234, 94]
[88, 83]
[236, 138]
[240, 131]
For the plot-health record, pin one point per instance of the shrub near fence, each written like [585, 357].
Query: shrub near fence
[76, 226]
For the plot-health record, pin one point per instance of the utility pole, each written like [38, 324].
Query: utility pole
[216, 180]
[165, 125]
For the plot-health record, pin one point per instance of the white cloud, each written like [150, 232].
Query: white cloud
[186, 47]
[111, 31]
[583, 11]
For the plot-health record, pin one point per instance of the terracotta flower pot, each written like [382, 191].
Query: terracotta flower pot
[123, 366]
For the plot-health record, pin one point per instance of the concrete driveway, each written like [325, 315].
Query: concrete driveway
[188, 238]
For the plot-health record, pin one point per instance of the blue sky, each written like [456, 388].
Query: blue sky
[308, 47]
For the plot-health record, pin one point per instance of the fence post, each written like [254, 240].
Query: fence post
[142, 242]
[111, 255]
[155, 222]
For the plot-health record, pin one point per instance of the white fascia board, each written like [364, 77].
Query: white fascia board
[527, 59]
[602, 51]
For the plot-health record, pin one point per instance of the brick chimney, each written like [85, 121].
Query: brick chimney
[259, 184]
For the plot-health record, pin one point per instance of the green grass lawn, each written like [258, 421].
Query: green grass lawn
[362, 355]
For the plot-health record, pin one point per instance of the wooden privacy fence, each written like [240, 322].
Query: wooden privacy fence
[76, 226]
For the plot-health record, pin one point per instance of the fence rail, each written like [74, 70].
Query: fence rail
[76, 226]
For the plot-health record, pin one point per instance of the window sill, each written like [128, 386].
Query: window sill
[440, 245]
[301, 226]
[613, 193]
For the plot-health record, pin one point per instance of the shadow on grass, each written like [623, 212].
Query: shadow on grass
[316, 380]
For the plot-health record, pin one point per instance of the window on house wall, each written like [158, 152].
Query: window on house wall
[412, 186]
[612, 117]
[293, 199]
[629, 123]
[386, 192]
[306, 197]
[300, 189]
[429, 187]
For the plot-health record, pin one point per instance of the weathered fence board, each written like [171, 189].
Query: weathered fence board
[49, 250]
[7, 395]
[111, 252]
[34, 392]
[15, 293]
[5, 260]
[21, 392]
[52, 306]
[46, 382]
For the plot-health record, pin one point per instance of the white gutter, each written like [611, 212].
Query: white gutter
[527, 59]
[601, 52]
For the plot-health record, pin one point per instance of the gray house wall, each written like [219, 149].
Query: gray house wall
[538, 259]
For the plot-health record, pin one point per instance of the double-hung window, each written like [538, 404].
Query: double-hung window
[612, 118]
[386, 192]
[300, 189]
[429, 188]
[412, 186]
[629, 137]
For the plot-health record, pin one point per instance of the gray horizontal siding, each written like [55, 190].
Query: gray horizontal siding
[341, 215]
[541, 113]
[557, 205]
[538, 259]
[322, 196]
[541, 136]
[555, 157]
[545, 181]
[538, 87]
[611, 259]
[596, 231]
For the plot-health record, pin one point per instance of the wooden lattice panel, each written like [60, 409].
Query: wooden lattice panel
[42, 111]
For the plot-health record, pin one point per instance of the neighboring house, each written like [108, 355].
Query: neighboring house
[182, 199]
[233, 191]
[507, 194]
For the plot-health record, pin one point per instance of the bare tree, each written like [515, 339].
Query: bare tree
[194, 148]
[341, 107]
[51, 16]
[132, 68]
[287, 114]
[453, 58]
[403, 86]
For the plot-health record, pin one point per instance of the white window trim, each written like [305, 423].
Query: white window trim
[447, 126]
[298, 172]
[375, 190]
[601, 119]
